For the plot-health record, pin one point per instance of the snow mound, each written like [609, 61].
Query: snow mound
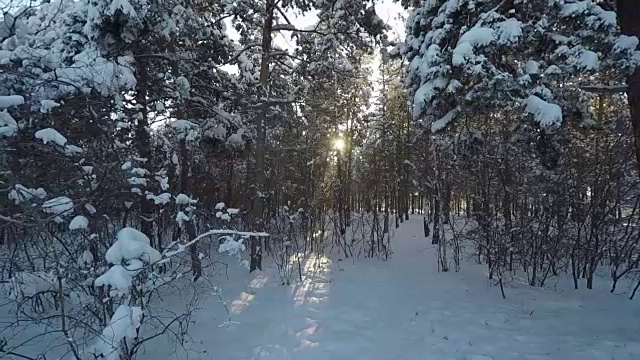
[132, 244]
[61, 205]
[444, 121]
[588, 60]
[532, 67]
[181, 217]
[8, 126]
[547, 114]
[183, 124]
[183, 199]
[509, 31]
[72, 150]
[231, 247]
[10, 100]
[161, 199]
[79, 222]
[476, 36]
[47, 105]
[21, 193]
[123, 325]
[119, 278]
[51, 135]
[90, 208]
[625, 43]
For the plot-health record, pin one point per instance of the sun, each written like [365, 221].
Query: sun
[339, 144]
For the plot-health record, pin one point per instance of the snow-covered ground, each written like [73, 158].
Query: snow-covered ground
[403, 309]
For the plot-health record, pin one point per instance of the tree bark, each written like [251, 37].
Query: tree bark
[261, 134]
[628, 12]
[143, 146]
[190, 227]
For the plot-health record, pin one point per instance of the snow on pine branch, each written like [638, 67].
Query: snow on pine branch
[445, 120]
[545, 113]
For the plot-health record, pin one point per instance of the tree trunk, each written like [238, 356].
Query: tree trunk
[143, 144]
[261, 134]
[628, 14]
[260, 178]
[196, 263]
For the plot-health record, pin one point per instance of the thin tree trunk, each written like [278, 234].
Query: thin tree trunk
[196, 263]
[628, 14]
[261, 133]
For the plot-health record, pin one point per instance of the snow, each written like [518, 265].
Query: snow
[86, 259]
[61, 205]
[225, 217]
[220, 206]
[402, 308]
[547, 114]
[575, 8]
[8, 126]
[139, 171]
[182, 124]
[183, 87]
[127, 255]
[131, 244]
[219, 132]
[553, 70]
[232, 211]
[122, 5]
[137, 181]
[161, 199]
[119, 278]
[123, 325]
[183, 199]
[425, 94]
[607, 18]
[10, 100]
[478, 36]
[231, 247]
[51, 135]
[181, 217]
[21, 193]
[90, 208]
[461, 53]
[444, 121]
[47, 105]
[164, 182]
[72, 150]
[588, 60]
[509, 31]
[236, 140]
[532, 67]
[26, 284]
[79, 222]
[625, 43]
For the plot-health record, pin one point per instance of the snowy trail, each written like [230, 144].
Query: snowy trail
[404, 309]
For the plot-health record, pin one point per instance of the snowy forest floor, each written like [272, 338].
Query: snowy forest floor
[404, 308]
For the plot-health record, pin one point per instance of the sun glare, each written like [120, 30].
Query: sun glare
[338, 144]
